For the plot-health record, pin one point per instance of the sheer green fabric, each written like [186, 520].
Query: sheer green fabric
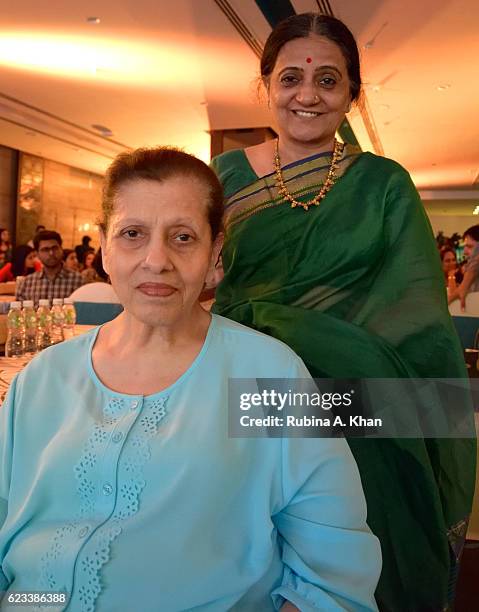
[355, 287]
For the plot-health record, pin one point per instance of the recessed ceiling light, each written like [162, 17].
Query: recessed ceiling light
[93, 20]
[104, 131]
[443, 87]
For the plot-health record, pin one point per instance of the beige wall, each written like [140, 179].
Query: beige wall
[71, 199]
[8, 187]
[62, 198]
[449, 224]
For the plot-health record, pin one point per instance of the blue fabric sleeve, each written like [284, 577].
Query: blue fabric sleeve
[6, 450]
[331, 559]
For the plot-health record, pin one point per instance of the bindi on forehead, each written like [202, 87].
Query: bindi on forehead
[309, 60]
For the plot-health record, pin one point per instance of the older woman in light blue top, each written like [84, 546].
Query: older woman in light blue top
[120, 489]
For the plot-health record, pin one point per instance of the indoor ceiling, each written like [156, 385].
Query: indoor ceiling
[167, 72]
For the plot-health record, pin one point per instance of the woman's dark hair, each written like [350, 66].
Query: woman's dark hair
[19, 256]
[160, 164]
[473, 232]
[303, 26]
[97, 265]
[46, 235]
[447, 249]
[67, 252]
[3, 229]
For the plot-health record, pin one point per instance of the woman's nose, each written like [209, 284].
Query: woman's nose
[307, 94]
[158, 256]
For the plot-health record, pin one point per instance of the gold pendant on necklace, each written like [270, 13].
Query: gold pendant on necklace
[328, 183]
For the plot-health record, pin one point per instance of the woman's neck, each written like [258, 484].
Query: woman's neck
[128, 335]
[134, 358]
[291, 150]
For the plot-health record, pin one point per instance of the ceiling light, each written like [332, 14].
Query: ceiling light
[476, 210]
[93, 20]
[443, 87]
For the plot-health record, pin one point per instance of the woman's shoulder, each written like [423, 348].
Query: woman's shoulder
[385, 165]
[224, 161]
[253, 345]
[63, 361]
[233, 170]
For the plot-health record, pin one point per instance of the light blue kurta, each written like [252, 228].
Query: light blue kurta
[135, 503]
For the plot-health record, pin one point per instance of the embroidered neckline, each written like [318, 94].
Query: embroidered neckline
[135, 454]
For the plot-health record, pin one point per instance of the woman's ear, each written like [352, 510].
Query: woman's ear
[217, 248]
[215, 272]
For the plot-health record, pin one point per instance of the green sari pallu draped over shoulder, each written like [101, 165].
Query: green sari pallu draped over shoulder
[354, 286]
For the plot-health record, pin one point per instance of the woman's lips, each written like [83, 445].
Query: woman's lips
[156, 289]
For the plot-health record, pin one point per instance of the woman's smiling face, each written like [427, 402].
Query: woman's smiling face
[309, 90]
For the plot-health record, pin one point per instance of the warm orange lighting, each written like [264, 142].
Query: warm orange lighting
[148, 63]
[110, 60]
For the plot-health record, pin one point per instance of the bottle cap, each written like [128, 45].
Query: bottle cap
[57, 301]
[67, 301]
[15, 305]
[44, 302]
[28, 303]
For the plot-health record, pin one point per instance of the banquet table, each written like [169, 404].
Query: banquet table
[10, 366]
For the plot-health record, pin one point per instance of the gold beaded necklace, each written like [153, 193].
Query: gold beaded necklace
[328, 183]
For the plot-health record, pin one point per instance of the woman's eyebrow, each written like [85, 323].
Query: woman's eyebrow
[318, 68]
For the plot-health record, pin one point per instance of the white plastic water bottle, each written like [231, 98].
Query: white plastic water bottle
[57, 320]
[15, 331]
[30, 318]
[44, 324]
[70, 317]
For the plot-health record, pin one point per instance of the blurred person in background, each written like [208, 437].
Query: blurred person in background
[99, 289]
[5, 244]
[452, 273]
[53, 280]
[70, 260]
[470, 282]
[89, 273]
[24, 262]
[82, 249]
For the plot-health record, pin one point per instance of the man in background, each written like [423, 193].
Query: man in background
[53, 281]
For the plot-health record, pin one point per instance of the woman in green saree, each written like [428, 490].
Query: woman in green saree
[330, 250]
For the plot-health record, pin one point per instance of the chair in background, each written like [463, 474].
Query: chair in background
[96, 303]
[96, 313]
[467, 321]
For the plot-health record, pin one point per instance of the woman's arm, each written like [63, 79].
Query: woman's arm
[331, 559]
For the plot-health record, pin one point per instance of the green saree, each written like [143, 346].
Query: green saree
[354, 286]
